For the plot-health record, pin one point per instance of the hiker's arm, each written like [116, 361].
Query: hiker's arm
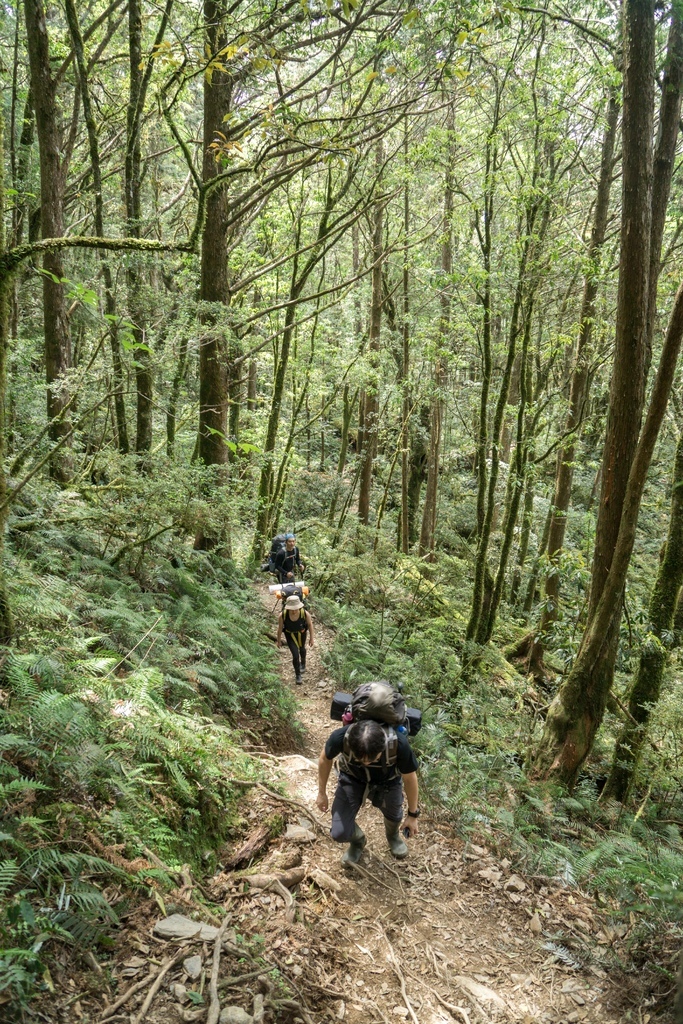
[324, 769]
[280, 624]
[309, 622]
[410, 786]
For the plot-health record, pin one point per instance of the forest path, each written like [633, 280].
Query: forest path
[452, 933]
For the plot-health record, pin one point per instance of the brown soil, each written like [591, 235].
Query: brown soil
[453, 933]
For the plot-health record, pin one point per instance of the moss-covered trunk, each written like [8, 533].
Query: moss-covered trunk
[648, 681]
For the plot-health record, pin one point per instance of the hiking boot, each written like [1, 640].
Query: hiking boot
[396, 845]
[297, 678]
[356, 847]
[303, 666]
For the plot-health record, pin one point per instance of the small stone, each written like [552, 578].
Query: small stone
[298, 834]
[235, 1015]
[535, 925]
[179, 927]
[515, 883]
[180, 992]
[193, 966]
[573, 1016]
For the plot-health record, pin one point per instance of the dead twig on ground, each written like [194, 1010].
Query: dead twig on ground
[110, 1010]
[396, 967]
[215, 1004]
[165, 968]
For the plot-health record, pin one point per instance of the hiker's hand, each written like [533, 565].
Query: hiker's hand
[321, 802]
[290, 575]
[410, 824]
[310, 643]
[279, 641]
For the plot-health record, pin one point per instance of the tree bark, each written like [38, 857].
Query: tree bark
[139, 77]
[576, 712]
[371, 407]
[107, 276]
[6, 623]
[427, 532]
[215, 288]
[405, 362]
[653, 655]
[578, 395]
[56, 320]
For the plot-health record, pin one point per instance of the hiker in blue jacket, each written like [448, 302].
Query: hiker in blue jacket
[366, 768]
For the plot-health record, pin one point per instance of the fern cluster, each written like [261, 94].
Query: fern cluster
[116, 728]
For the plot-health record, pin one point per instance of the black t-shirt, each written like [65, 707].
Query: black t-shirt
[406, 762]
[286, 561]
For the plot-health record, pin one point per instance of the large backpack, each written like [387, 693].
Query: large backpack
[382, 703]
[276, 545]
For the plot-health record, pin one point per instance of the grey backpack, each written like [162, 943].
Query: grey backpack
[381, 702]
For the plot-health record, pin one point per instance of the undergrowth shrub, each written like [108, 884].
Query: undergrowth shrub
[119, 728]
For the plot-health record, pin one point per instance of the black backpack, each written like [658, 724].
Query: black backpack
[277, 544]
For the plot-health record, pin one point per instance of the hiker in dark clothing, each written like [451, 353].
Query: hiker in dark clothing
[288, 559]
[363, 752]
[297, 625]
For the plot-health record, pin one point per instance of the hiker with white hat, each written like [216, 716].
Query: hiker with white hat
[297, 625]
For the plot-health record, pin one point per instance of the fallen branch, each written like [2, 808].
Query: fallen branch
[110, 1010]
[401, 977]
[238, 979]
[165, 968]
[285, 878]
[215, 1004]
[276, 886]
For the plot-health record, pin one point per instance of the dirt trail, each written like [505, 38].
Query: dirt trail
[452, 933]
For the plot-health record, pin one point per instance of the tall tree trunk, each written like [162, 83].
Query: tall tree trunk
[417, 473]
[405, 363]
[6, 624]
[55, 316]
[139, 77]
[132, 187]
[428, 529]
[110, 301]
[215, 289]
[371, 407]
[578, 396]
[577, 710]
[653, 655]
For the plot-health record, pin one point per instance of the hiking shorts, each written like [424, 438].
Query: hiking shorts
[386, 796]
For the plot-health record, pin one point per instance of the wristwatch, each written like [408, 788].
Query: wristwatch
[414, 814]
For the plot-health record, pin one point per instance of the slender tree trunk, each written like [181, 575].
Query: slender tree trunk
[132, 187]
[110, 301]
[653, 655]
[417, 473]
[481, 597]
[525, 536]
[171, 412]
[371, 407]
[6, 624]
[405, 365]
[56, 320]
[428, 529]
[578, 396]
[577, 710]
[214, 288]
[251, 386]
[139, 77]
